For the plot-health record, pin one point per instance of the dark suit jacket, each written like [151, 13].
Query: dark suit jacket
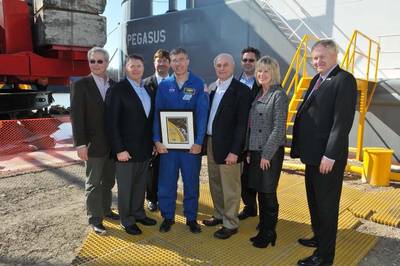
[127, 125]
[87, 117]
[230, 121]
[254, 89]
[323, 122]
[151, 83]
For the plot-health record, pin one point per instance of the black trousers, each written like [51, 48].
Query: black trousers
[269, 207]
[152, 181]
[248, 194]
[323, 196]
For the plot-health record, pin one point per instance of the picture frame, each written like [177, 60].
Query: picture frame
[177, 129]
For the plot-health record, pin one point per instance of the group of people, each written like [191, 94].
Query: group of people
[240, 124]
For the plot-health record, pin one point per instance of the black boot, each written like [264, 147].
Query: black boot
[268, 219]
[262, 240]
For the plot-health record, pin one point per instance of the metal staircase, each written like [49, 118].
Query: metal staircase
[297, 80]
[290, 32]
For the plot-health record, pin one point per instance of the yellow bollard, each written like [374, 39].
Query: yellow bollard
[376, 166]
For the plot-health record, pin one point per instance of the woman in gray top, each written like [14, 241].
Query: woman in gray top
[267, 129]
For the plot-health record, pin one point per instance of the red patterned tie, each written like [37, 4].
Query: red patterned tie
[318, 83]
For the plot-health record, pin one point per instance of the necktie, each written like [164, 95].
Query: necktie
[318, 83]
[316, 86]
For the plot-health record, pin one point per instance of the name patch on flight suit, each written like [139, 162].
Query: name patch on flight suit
[189, 92]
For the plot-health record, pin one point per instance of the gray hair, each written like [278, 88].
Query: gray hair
[328, 44]
[226, 55]
[98, 50]
[272, 65]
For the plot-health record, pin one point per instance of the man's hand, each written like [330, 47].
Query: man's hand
[161, 148]
[326, 165]
[264, 164]
[82, 153]
[123, 156]
[154, 152]
[195, 149]
[231, 158]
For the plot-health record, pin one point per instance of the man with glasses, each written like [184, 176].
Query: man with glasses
[161, 67]
[249, 58]
[88, 127]
[182, 91]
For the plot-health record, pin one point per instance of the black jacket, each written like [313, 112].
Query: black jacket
[151, 83]
[323, 122]
[87, 117]
[127, 125]
[230, 121]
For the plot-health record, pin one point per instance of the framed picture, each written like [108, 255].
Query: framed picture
[177, 129]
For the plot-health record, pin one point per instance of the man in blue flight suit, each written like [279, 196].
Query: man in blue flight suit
[182, 91]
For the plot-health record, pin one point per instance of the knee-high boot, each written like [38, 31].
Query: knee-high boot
[269, 208]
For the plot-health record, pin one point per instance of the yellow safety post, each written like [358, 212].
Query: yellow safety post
[376, 166]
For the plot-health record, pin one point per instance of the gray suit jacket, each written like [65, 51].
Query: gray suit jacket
[267, 122]
[87, 117]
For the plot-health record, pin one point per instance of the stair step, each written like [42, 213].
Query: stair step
[289, 137]
[298, 100]
[289, 123]
[293, 112]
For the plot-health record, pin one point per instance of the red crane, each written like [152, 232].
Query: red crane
[26, 70]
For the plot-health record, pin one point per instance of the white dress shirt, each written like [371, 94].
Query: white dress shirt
[160, 78]
[222, 86]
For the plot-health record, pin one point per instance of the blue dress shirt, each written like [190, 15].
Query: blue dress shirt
[143, 95]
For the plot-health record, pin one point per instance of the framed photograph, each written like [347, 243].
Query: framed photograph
[177, 129]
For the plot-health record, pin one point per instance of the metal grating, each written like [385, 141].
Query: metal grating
[381, 207]
[180, 247]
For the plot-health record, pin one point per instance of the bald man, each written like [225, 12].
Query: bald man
[226, 133]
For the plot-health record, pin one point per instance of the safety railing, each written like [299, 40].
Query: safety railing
[364, 51]
[298, 66]
[355, 53]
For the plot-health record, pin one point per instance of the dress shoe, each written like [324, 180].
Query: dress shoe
[225, 233]
[99, 229]
[166, 225]
[308, 242]
[194, 227]
[152, 206]
[147, 221]
[212, 221]
[112, 215]
[314, 261]
[132, 229]
[244, 215]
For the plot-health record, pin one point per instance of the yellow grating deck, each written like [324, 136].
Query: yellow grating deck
[380, 207]
[180, 247]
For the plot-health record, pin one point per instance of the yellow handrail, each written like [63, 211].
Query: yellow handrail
[352, 55]
[298, 63]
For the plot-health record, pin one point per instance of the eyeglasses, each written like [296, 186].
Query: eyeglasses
[250, 60]
[98, 62]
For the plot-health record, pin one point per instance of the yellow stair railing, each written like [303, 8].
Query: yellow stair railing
[369, 62]
[296, 80]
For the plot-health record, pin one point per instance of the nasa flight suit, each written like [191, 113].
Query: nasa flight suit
[190, 97]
